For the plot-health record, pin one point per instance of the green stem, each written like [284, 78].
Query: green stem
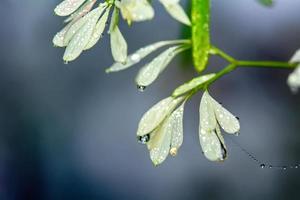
[233, 64]
[229, 68]
[267, 64]
[246, 63]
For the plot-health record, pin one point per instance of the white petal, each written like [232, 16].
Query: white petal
[140, 54]
[153, 117]
[80, 22]
[192, 84]
[175, 127]
[176, 11]
[294, 80]
[150, 71]
[67, 7]
[82, 36]
[58, 39]
[296, 57]
[208, 120]
[98, 31]
[83, 10]
[212, 146]
[227, 121]
[159, 144]
[118, 45]
[133, 10]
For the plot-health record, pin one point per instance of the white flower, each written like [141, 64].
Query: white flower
[82, 34]
[161, 128]
[59, 38]
[84, 30]
[212, 117]
[140, 54]
[150, 72]
[135, 10]
[176, 11]
[294, 78]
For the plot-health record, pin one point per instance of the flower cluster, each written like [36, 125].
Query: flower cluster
[161, 127]
[86, 24]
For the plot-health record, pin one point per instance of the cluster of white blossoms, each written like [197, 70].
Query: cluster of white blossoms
[294, 78]
[161, 128]
[86, 24]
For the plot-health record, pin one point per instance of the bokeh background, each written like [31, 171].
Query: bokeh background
[68, 131]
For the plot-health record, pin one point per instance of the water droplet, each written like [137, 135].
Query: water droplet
[262, 165]
[141, 88]
[284, 167]
[296, 166]
[270, 166]
[143, 139]
[173, 151]
[66, 62]
[237, 118]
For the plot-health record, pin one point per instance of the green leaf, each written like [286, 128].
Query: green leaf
[200, 33]
[266, 2]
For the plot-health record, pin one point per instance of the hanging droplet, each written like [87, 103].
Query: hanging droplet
[284, 167]
[66, 62]
[262, 165]
[237, 118]
[270, 166]
[141, 88]
[143, 139]
[296, 166]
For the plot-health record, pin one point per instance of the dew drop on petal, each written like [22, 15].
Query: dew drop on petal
[143, 139]
[141, 88]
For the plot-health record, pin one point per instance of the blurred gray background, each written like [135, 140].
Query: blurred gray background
[68, 131]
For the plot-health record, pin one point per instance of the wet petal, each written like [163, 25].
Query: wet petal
[82, 36]
[296, 57]
[208, 120]
[118, 45]
[176, 11]
[175, 127]
[136, 10]
[294, 80]
[195, 82]
[154, 117]
[227, 120]
[212, 146]
[151, 71]
[67, 7]
[83, 10]
[140, 54]
[80, 22]
[98, 31]
[159, 144]
[58, 39]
